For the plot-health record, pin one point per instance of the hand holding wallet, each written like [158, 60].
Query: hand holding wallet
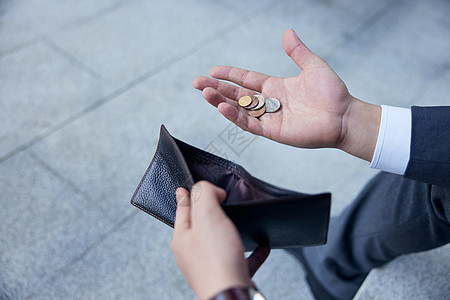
[263, 213]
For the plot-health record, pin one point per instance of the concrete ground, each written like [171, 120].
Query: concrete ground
[85, 86]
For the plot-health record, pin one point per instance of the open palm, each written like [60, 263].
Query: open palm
[313, 104]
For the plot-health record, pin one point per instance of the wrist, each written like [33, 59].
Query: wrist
[213, 291]
[360, 126]
[239, 293]
[214, 284]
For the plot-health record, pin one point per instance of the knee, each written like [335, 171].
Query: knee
[440, 200]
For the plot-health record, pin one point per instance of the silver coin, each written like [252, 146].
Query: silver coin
[272, 105]
[260, 103]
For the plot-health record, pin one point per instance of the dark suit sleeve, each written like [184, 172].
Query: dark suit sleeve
[430, 145]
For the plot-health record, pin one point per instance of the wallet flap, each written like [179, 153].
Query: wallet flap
[167, 171]
[174, 158]
[283, 222]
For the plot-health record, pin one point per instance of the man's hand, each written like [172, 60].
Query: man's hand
[207, 245]
[317, 111]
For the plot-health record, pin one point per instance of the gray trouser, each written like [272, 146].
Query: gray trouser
[390, 217]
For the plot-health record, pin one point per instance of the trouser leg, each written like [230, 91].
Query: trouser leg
[391, 216]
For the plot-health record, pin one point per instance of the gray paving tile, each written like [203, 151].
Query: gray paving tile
[322, 25]
[406, 278]
[39, 89]
[436, 90]
[135, 262]
[44, 224]
[106, 152]
[30, 20]
[367, 9]
[257, 45]
[282, 277]
[392, 61]
[143, 35]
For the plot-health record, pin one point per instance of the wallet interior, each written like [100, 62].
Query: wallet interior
[235, 180]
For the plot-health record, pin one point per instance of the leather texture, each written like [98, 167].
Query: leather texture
[263, 213]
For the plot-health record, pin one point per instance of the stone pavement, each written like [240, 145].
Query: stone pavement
[85, 86]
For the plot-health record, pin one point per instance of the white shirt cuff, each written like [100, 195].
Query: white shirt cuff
[394, 140]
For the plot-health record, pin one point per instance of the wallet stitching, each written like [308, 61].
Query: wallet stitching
[152, 214]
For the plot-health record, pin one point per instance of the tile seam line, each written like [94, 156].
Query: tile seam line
[41, 162]
[377, 16]
[62, 270]
[363, 27]
[21, 46]
[72, 59]
[30, 42]
[116, 227]
[50, 169]
[98, 14]
[130, 85]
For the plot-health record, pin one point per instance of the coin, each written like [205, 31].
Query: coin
[254, 103]
[245, 101]
[272, 105]
[257, 113]
[261, 101]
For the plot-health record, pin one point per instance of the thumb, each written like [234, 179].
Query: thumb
[298, 52]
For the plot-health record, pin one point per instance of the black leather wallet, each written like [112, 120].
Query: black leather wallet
[263, 213]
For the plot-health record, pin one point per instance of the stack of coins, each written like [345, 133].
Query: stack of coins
[257, 105]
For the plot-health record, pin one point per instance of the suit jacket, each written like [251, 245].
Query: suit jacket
[430, 146]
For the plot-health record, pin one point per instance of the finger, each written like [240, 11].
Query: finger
[257, 258]
[214, 97]
[183, 213]
[240, 117]
[231, 110]
[206, 199]
[228, 90]
[205, 189]
[245, 78]
[298, 52]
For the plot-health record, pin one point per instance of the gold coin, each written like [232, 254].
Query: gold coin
[257, 113]
[245, 101]
[254, 103]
